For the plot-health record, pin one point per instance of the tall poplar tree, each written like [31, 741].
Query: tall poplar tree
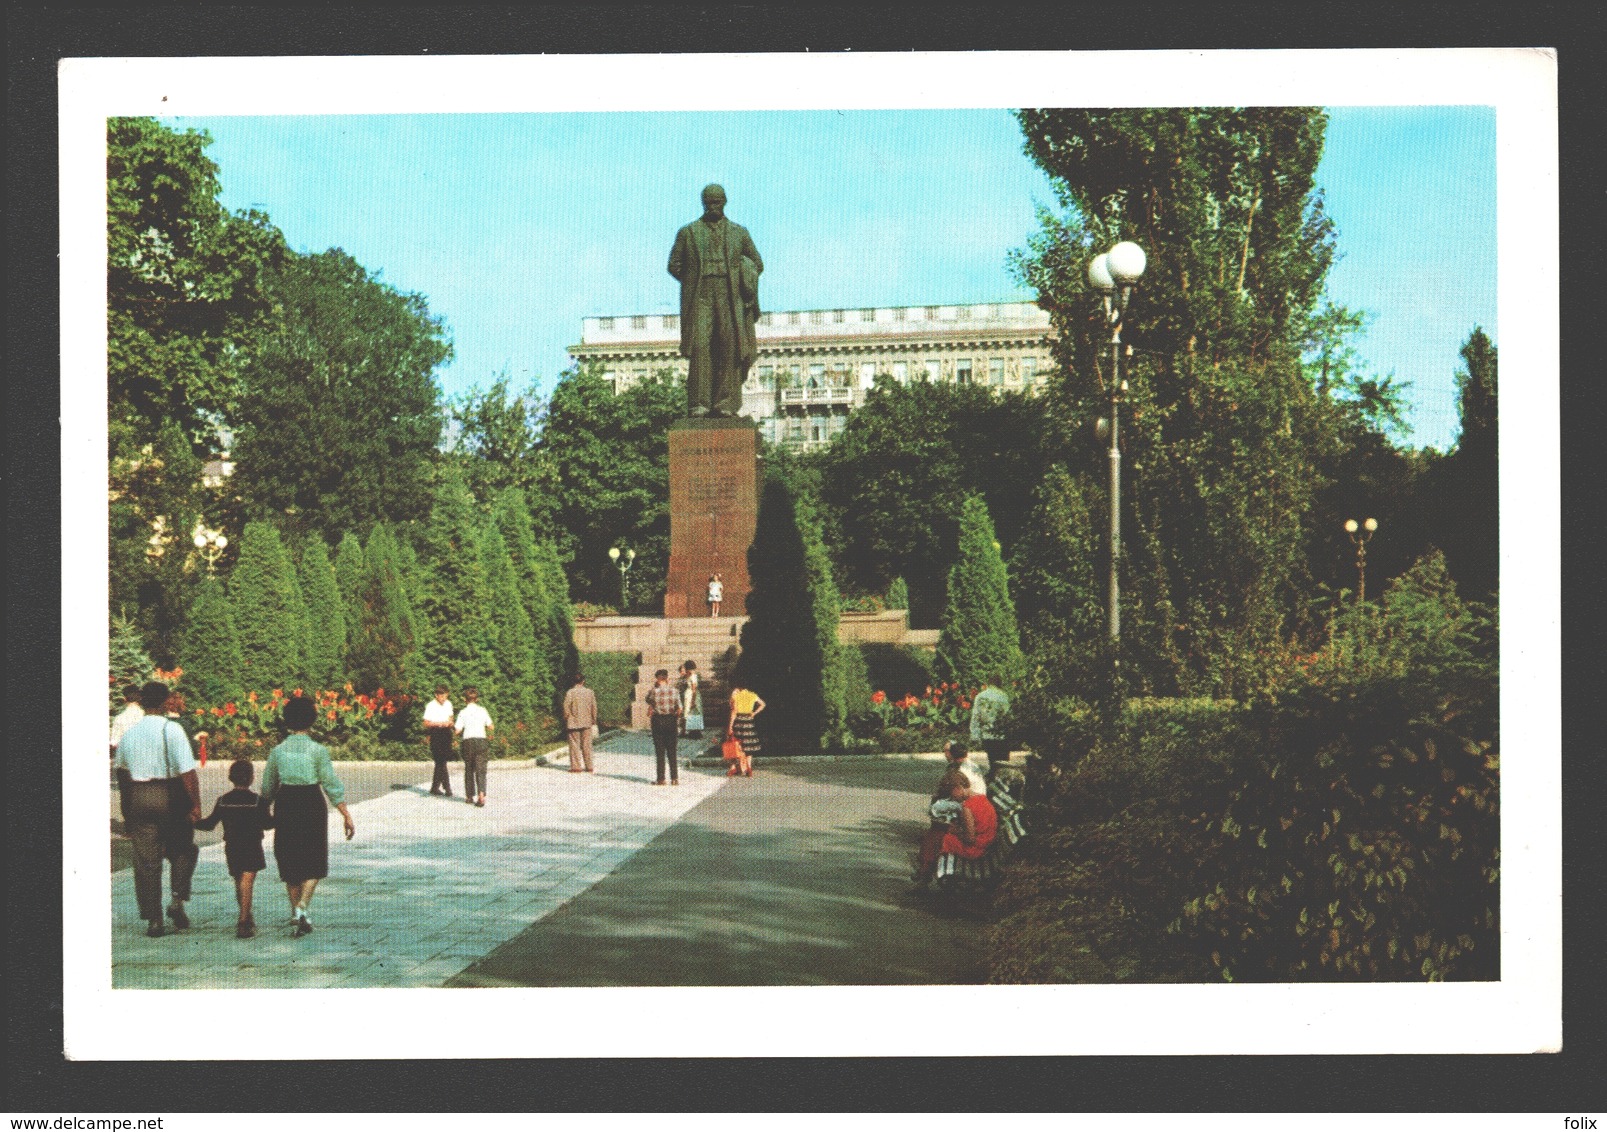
[269, 611]
[1221, 425]
[326, 616]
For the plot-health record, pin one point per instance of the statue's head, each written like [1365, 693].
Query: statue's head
[713, 201]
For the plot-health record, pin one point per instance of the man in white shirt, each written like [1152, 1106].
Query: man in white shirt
[161, 795]
[438, 726]
[474, 724]
[131, 714]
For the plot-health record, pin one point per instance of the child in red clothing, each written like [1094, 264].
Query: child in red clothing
[968, 832]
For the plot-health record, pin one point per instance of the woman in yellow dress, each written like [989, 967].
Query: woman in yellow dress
[745, 705]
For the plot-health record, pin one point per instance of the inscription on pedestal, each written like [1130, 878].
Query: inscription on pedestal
[714, 507]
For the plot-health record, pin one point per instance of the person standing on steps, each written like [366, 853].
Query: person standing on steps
[474, 724]
[716, 594]
[580, 723]
[438, 717]
[161, 797]
[691, 701]
[663, 714]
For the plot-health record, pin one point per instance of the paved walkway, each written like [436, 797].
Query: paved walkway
[427, 886]
[796, 876]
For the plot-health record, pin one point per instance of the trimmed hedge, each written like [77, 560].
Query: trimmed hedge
[612, 676]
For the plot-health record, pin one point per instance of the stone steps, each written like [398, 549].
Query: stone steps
[712, 643]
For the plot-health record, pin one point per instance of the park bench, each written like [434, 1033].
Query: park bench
[956, 874]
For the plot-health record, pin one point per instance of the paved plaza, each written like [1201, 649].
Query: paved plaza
[796, 876]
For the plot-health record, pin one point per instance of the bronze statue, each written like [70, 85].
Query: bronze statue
[718, 268]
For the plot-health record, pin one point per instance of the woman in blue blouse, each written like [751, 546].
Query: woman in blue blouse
[298, 777]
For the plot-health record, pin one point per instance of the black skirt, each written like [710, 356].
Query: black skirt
[301, 833]
[747, 733]
[245, 856]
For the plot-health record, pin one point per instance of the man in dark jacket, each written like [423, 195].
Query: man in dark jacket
[718, 268]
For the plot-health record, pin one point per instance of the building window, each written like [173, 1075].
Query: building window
[931, 312]
[901, 371]
[612, 378]
[868, 315]
[995, 371]
[838, 316]
[605, 324]
[817, 317]
[899, 313]
[671, 321]
[934, 369]
[638, 322]
[765, 319]
[792, 318]
[792, 374]
[1029, 369]
[767, 377]
[962, 371]
[867, 374]
[996, 310]
[817, 375]
[962, 312]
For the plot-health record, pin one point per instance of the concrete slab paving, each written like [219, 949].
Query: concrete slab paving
[428, 885]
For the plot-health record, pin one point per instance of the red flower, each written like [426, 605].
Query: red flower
[297, 692]
[878, 697]
[229, 709]
[331, 715]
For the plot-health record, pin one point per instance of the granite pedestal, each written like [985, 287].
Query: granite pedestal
[714, 508]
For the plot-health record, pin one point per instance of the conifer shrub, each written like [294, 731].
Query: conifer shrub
[612, 678]
[326, 616]
[790, 654]
[980, 639]
[209, 651]
[269, 611]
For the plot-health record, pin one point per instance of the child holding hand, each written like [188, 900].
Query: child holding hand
[244, 816]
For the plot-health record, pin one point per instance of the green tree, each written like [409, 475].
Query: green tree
[512, 518]
[129, 662]
[1464, 513]
[210, 649]
[1055, 574]
[338, 421]
[520, 694]
[154, 500]
[607, 477]
[382, 640]
[1222, 425]
[894, 478]
[790, 654]
[270, 612]
[980, 639]
[461, 645]
[183, 282]
[560, 632]
[326, 616]
[494, 436]
[349, 579]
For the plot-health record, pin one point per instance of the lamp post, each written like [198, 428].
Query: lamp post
[1359, 534]
[624, 560]
[1114, 275]
[211, 545]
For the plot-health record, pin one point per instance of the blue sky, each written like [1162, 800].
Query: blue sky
[517, 226]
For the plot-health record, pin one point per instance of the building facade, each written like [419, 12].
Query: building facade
[815, 366]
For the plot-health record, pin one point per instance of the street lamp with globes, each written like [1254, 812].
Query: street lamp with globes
[211, 544]
[1359, 534]
[624, 560]
[1114, 274]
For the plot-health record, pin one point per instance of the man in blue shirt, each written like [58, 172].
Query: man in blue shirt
[161, 795]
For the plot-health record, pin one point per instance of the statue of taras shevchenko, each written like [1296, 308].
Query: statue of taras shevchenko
[718, 268]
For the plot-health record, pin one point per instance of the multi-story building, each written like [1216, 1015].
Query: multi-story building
[815, 366]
